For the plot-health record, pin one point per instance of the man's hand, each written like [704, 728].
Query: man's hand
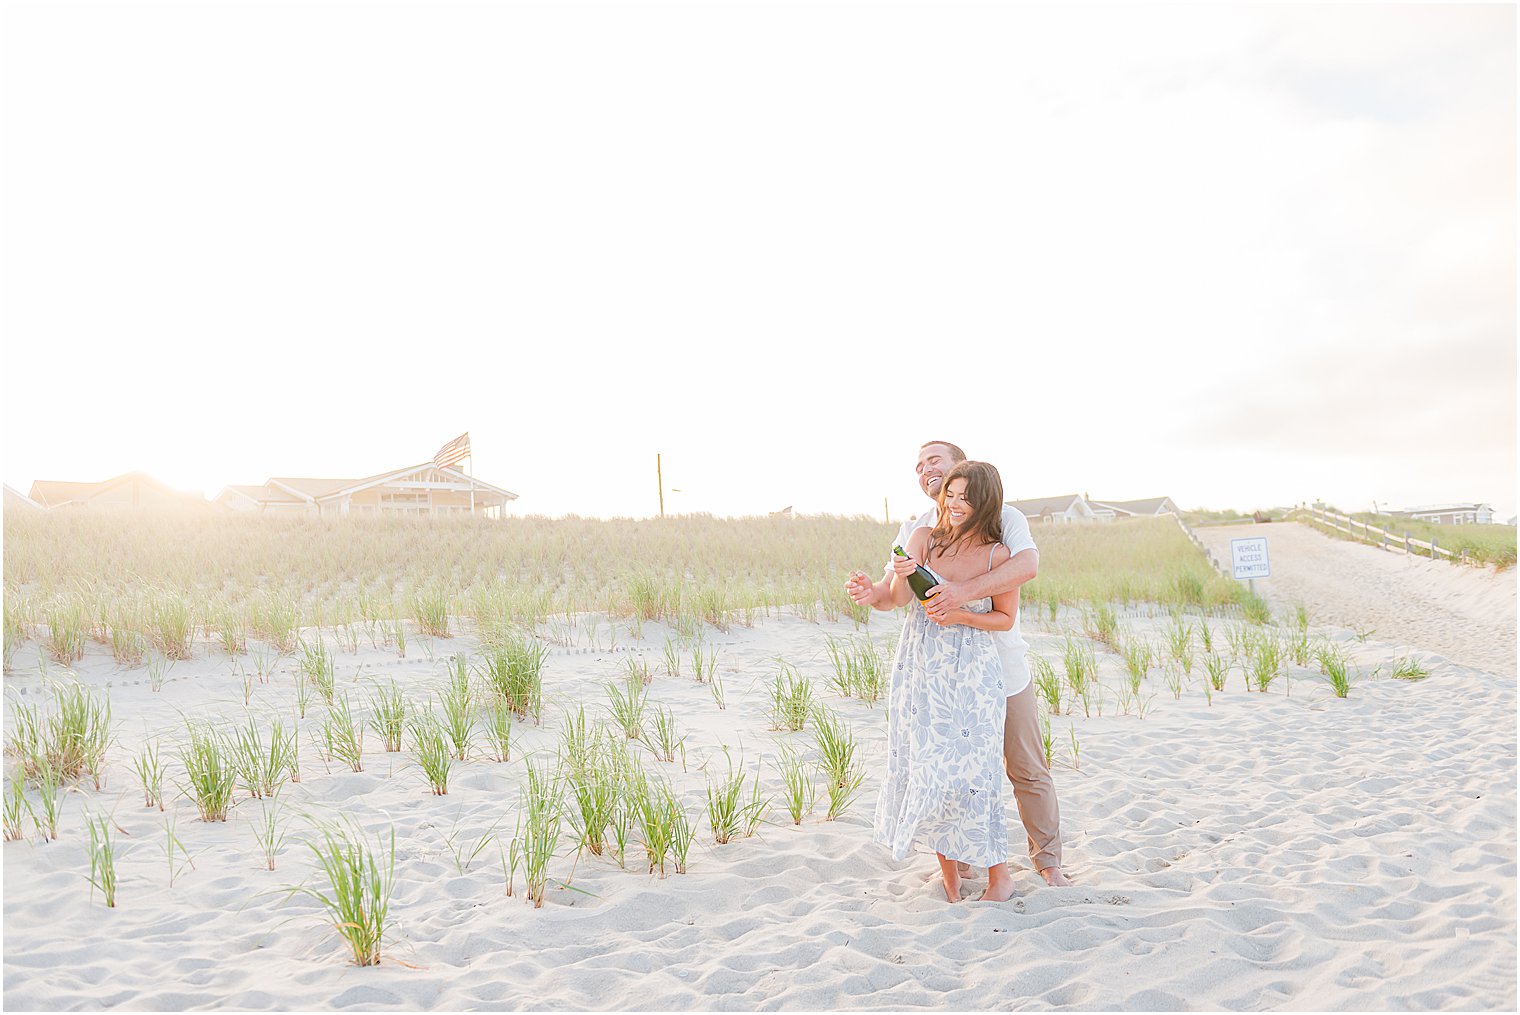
[943, 598]
[860, 588]
[947, 618]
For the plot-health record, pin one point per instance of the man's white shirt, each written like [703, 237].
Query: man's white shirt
[1012, 648]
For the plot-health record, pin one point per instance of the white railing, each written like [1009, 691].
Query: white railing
[1378, 537]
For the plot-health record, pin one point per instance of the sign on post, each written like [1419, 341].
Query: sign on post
[1249, 557]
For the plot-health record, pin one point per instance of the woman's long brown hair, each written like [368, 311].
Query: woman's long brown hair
[984, 489]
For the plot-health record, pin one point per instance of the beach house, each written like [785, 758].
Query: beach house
[1074, 507]
[131, 491]
[1149, 507]
[1451, 514]
[1065, 509]
[15, 500]
[421, 490]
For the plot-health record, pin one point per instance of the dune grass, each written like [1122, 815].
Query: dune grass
[1406, 668]
[17, 808]
[102, 859]
[388, 712]
[258, 584]
[456, 703]
[843, 772]
[512, 668]
[50, 795]
[595, 786]
[1336, 668]
[860, 668]
[541, 816]
[791, 695]
[433, 751]
[245, 577]
[210, 769]
[628, 706]
[1126, 561]
[495, 724]
[664, 737]
[342, 734]
[798, 791]
[70, 736]
[730, 811]
[360, 879]
[263, 766]
[318, 666]
[1046, 682]
[270, 832]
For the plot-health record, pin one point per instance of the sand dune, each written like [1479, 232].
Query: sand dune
[1465, 613]
[1288, 849]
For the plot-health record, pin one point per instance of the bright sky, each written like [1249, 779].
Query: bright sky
[1241, 256]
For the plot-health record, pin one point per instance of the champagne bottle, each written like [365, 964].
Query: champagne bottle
[921, 580]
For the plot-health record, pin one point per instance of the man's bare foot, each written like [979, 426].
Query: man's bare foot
[1054, 878]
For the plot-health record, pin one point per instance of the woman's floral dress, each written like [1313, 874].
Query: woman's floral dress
[944, 785]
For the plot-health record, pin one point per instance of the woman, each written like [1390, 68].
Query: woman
[944, 781]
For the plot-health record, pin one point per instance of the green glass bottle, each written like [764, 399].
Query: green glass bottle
[921, 580]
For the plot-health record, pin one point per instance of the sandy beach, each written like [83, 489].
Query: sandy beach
[1465, 613]
[1287, 849]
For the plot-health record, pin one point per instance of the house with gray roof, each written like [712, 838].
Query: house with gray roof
[1066, 509]
[1149, 507]
[1470, 513]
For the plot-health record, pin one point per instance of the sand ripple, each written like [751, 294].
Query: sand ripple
[1295, 851]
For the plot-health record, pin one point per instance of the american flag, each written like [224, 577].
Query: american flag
[456, 450]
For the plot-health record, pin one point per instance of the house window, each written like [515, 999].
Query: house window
[406, 501]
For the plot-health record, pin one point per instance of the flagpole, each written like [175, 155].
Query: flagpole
[472, 485]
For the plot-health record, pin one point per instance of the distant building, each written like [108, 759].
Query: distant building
[1068, 508]
[415, 490]
[1147, 508]
[15, 500]
[1451, 514]
[131, 491]
[1073, 507]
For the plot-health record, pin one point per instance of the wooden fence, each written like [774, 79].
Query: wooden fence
[1208, 554]
[1376, 536]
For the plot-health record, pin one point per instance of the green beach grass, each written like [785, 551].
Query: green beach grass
[79, 577]
[1486, 544]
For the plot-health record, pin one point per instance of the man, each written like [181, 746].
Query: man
[1023, 751]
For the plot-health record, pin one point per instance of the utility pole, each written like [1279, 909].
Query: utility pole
[660, 479]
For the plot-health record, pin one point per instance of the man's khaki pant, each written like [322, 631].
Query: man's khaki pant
[1033, 788]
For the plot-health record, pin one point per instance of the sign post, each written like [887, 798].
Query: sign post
[1249, 557]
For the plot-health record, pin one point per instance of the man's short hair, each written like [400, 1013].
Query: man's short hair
[955, 452]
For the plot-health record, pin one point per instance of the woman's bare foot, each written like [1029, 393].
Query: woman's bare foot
[999, 885]
[952, 877]
[1054, 878]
